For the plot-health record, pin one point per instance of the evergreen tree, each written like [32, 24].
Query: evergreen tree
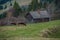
[17, 9]
[33, 5]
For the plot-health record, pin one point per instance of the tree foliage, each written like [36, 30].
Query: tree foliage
[33, 5]
[42, 4]
[3, 15]
[17, 9]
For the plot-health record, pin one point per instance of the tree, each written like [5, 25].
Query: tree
[33, 5]
[17, 9]
[3, 15]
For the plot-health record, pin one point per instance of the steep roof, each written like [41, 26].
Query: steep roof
[42, 14]
[35, 14]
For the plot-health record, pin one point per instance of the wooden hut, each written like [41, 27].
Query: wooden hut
[35, 16]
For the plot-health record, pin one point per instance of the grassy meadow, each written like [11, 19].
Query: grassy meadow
[31, 30]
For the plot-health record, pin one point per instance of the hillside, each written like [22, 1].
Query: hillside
[31, 30]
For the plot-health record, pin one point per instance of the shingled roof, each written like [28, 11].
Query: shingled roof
[42, 14]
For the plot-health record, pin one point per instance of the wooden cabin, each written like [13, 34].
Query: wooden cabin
[38, 16]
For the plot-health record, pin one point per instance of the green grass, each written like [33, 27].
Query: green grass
[55, 34]
[31, 30]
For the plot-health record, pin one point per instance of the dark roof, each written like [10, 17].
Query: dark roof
[3, 1]
[35, 14]
[42, 14]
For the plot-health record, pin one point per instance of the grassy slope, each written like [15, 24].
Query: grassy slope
[31, 30]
